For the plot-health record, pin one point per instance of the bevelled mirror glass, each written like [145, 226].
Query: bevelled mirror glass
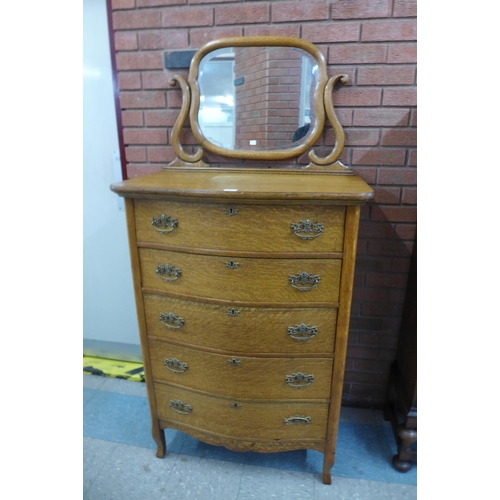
[257, 98]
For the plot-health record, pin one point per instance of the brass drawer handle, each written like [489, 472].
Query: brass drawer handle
[303, 229]
[302, 332]
[234, 362]
[233, 312]
[312, 280]
[235, 405]
[231, 211]
[168, 270]
[164, 221]
[299, 380]
[170, 320]
[232, 265]
[180, 407]
[175, 365]
[297, 420]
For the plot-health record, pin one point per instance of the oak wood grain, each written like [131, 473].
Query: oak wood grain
[241, 329]
[254, 420]
[260, 280]
[252, 228]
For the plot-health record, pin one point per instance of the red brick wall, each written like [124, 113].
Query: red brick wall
[268, 100]
[374, 41]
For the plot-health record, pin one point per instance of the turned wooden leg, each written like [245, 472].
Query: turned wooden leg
[159, 437]
[402, 461]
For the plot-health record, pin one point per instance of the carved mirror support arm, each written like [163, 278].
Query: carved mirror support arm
[183, 158]
[332, 159]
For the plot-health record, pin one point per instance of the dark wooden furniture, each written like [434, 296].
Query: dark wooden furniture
[401, 402]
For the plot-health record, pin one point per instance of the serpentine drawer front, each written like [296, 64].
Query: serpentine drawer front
[241, 419]
[236, 227]
[249, 377]
[299, 330]
[241, 278]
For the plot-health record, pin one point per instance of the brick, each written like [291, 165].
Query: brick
[387, 196]
[399, 137]
[368, 174]
[373, 263]
[125, 41]
[356, 97]
[355, 137]
[396, 296]
[245, 13]
[357, 54]
[299, 11]
[388, 280]
[161, 154]
[376, 366]
[145, 136]
[122, 4]
[129, 20]
[384, 339]
[160, 3]
[364, 378]
[381, 117]
[135, 155]
[394, 214]
[138, 170]
[176, 17]
[163, 40]
[361, 9]
[402, 53]
[399, 176]
[200, 37]
[400, 97]
[274, 30]
[132, 119]
[384, 310]
[387, 354]
[363, 156]
[366, 294]
[401, 265]
[389, 248]
[156, 79]
[413, 118]
[393, 30]
[142, 100]
[174, 99]
[373, 230]
[368, 396]
[409, 196]
[129, 81]
[160, 117]
[367, 323]
[404, 8]
[138, 60]
[406, 231]
[386, 75]
[412, 158]
[192, 2]
[335, 32]
[359, 352]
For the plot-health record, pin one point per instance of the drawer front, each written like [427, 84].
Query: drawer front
[250, 228]
[242, 329]
[241, 376]
[241, 419]
[241, 279]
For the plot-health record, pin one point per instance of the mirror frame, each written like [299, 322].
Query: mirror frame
[323, 104]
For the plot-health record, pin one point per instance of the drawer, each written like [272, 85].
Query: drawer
[246, 420]
[241, 376]
[250, 228]
[242, 329]
[241, 279]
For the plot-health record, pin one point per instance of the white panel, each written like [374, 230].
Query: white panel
[109, 308]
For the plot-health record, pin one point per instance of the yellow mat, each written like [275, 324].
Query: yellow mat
[113, 368]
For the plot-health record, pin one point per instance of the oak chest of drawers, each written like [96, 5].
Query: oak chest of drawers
[243, 283]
